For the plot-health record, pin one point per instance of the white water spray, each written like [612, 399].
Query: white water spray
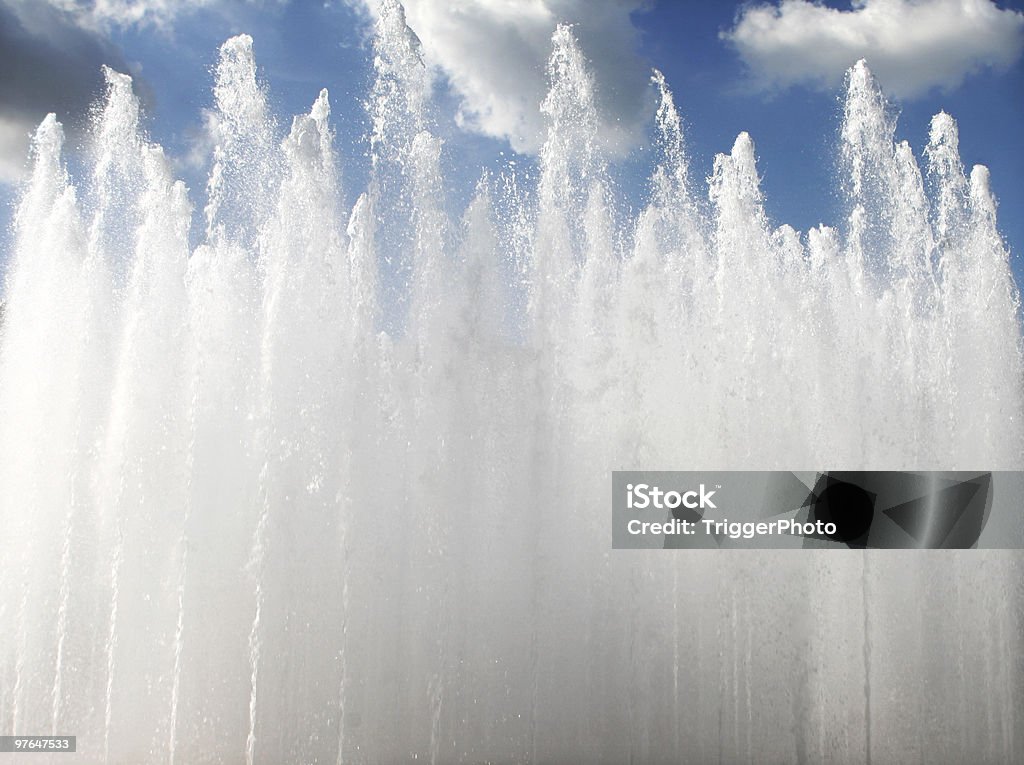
[332, 486]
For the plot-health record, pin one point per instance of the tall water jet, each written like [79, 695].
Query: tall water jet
[327, 485]
[55, 254]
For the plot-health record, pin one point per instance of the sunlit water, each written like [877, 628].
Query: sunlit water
[332, 486]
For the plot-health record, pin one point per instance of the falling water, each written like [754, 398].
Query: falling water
[331, 486]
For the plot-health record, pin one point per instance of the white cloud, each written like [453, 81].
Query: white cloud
[494, 54]
[202, 140]
[49, 63]
[51, 53]
[14, 143]
[912, 46]
[97, 14]
[104, 14]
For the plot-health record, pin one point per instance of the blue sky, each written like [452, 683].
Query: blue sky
[771, 70]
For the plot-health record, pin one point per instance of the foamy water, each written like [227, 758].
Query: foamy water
[332, 486]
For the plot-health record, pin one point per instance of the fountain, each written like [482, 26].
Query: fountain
[331, 485]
